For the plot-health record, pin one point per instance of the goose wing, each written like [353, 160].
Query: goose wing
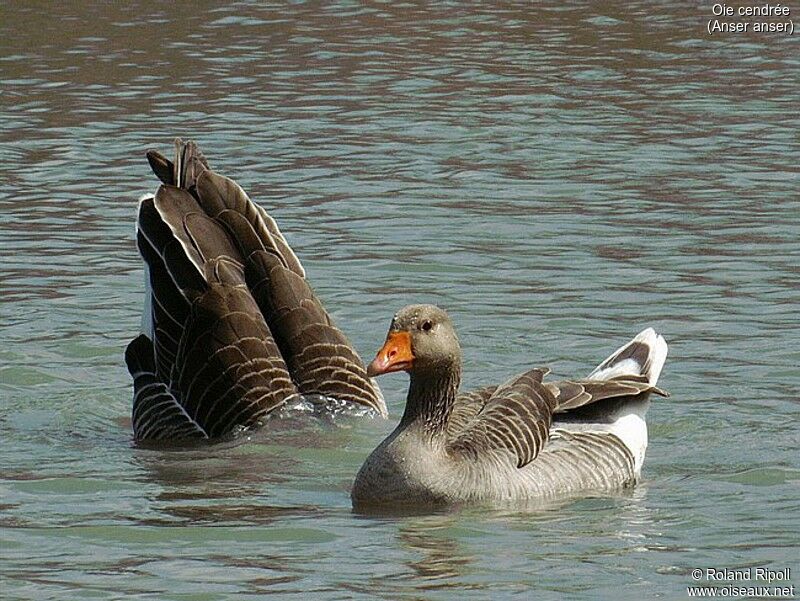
[467, 406]
[319, 356]
[228, 368]
[572, 394]
[213, 352]
[515, 419]
[157, 414]
[233, 327]
[568, 395]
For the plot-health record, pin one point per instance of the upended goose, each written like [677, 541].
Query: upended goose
[524, 439]
[231, 329]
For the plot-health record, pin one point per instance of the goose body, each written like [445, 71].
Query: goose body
[231, 328]
[524, 439]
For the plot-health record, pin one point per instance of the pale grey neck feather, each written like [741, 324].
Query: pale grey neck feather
[431, 396]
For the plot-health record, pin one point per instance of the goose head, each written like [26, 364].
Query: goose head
[421, 340]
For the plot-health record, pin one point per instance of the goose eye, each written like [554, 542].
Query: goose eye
[427, 325]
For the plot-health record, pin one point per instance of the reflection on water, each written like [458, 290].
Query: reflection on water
[439, 556]
[557, 176]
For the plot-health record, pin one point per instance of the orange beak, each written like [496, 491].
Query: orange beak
[395, 355]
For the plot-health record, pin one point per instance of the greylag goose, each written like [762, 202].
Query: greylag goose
[524, 439]
[231, 329]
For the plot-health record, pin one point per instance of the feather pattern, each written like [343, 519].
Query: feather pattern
[228, 369]
[516, 418]
[220, 194]
[319, 356]
[157, 414]
[524, 439]
[209, 361]
[466, 407]
[571, 394]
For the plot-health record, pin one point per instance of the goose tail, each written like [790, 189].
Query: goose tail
[614, 397]
[643, 357]
[184, 170]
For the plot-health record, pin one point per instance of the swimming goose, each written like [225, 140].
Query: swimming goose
[231, 329]
[523, 439]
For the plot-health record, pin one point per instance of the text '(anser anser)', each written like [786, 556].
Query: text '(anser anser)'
[524, 439]
[231, 329]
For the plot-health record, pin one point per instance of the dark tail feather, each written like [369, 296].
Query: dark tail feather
[183, 172]
[139, 356]
[162, 167]
[189, 164]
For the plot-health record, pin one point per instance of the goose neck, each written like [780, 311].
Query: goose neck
[430, 400]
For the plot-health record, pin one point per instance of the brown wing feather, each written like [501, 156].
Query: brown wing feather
[189, 164]
[157, 414]
[161, 166]
[573, 394]
[319, 356]
[466, 407]
[183, 172]
[215, 363]
[218, 353]
[200, 236]
[469, 404]
[229, 372]
[516, 419]
[218, 194]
